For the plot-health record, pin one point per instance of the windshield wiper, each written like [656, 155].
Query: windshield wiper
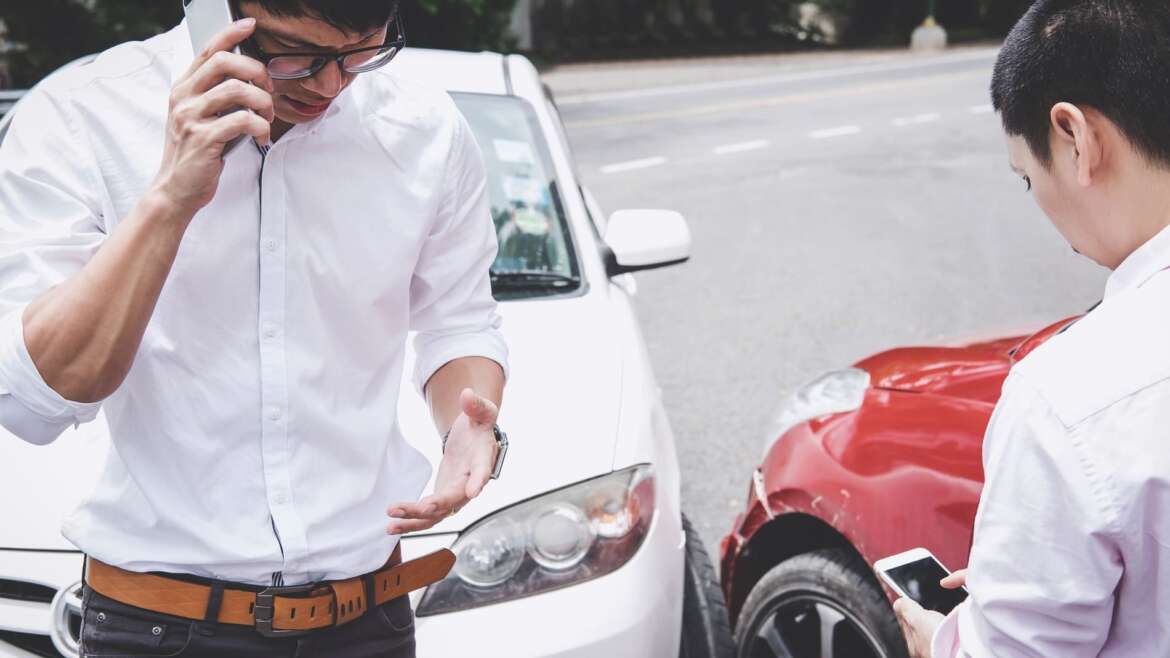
[534, 279]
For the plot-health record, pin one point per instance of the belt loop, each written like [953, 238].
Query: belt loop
[214, 602]
[371, 591]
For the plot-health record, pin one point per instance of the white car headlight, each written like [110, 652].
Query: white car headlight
[832, 393]
[561, 538]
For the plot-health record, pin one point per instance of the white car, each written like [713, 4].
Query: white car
[581, 548]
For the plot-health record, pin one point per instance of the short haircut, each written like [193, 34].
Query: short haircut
[1110, 55]
[348, 15]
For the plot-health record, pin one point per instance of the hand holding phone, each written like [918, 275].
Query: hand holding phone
[917, 575]
[201, 123]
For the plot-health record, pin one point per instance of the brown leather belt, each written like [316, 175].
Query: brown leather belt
[276, 611]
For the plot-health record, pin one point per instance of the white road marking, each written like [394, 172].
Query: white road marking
[819, 74]
[644, 163]
[928, 117]
[741, 147]
[839, 131]
[981, 109]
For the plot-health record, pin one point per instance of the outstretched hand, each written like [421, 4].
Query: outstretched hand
[465, 469]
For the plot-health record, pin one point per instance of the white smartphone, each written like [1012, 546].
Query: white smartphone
[205, 19]
[915, 574]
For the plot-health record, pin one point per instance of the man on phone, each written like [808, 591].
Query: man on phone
[241, 318]
[1071, 553]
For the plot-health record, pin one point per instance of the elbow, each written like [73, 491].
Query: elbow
[85, 391]
[82, 383]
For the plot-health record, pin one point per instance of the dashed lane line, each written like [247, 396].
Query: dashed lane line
[839, 131]
[917, 119]
[741, 147]
[632, 165]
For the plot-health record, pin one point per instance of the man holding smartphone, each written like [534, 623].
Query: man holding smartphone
[241, 318]
[1071, 552]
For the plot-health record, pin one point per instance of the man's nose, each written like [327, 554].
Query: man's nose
[327, 82]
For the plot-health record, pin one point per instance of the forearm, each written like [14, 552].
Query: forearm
[483, 376]
[83, 334]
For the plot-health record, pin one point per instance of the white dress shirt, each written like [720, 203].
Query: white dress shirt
[1071, 553]
[255, 437]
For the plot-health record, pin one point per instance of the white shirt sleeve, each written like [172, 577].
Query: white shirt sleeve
[50, 226]
[452, 307]
[1045, 561]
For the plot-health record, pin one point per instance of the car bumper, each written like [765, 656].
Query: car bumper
[635, 611]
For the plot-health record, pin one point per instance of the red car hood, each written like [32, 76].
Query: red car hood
[974, 372]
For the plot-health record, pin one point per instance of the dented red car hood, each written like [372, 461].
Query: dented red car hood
[975, 371]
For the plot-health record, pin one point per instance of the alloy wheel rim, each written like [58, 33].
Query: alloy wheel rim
[809, 625]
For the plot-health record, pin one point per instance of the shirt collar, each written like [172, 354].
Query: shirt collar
[1140, 266]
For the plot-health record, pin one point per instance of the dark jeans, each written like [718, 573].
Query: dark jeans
[109, 628]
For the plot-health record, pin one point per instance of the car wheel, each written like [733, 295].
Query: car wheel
[705, 629]
[822, 604]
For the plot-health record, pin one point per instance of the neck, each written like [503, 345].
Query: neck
[1143, 212]
[279, 128]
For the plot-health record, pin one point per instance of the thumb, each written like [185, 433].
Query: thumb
[477, 408]
[955, 580]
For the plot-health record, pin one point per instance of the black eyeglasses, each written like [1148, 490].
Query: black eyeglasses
[294, 66]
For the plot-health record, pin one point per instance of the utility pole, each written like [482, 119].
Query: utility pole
[930, 35]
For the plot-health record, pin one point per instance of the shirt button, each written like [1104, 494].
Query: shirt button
[279, 498]
[270, 245]
[274, 413]
[269, 331]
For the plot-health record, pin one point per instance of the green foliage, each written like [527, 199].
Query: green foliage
[459, 24]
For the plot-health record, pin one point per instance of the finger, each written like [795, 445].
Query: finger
[477, 408]
[231, 94]
[445, 501]
[906, 609]
[224, 40]
[223, 65]
[225, 129]
[423, 509]
[416, 525]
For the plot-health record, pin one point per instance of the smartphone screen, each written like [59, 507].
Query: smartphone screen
[920, 581]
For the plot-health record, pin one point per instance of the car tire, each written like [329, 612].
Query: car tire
[806, 598]
[706, 632]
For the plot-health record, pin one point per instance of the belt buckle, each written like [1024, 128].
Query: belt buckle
[265, 609]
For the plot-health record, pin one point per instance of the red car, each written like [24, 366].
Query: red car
[870, 461]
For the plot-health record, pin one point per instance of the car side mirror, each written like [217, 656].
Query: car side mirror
[645, 240]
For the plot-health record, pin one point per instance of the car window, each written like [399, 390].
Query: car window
[536, 256]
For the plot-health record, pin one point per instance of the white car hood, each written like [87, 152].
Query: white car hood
[560, 413]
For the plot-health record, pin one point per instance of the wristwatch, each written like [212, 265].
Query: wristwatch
[501, 443]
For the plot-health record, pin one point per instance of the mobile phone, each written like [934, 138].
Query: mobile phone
[915, 574]
[205, 19]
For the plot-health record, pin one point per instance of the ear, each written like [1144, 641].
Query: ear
[1073, 130]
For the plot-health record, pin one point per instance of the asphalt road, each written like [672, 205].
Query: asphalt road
[840, 205]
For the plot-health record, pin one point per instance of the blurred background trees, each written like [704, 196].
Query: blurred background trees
[43, 34]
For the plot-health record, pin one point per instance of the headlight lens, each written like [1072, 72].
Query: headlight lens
[832, 393]
[562, 538]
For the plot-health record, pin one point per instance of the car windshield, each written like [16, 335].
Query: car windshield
[536, 254]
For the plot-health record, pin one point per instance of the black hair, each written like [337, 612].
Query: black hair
[1110, 55]
[347, 15]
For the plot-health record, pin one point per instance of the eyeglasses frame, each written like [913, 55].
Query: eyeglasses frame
[397, 41]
